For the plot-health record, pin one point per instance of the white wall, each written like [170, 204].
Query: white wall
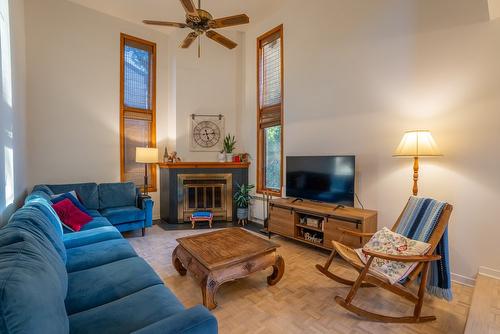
[13, 163]
[357, 74]
[207, 85]
[73, 59]
[73, 75]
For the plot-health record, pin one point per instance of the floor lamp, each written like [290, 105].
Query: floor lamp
[415, 144]
[146, 155]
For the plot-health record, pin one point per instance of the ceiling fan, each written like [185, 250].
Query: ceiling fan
[201, 22]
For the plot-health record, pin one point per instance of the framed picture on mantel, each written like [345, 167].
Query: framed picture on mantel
[206, 133]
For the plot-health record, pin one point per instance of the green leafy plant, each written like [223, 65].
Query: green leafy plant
[242, 196]
[229, 143]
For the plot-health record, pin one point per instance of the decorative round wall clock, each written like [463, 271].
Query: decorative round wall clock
[207, 133]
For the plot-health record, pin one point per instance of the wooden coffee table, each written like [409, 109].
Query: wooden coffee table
[225, 255]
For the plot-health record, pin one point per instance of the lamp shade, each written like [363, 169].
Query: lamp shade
[417, 143]
[146, 155]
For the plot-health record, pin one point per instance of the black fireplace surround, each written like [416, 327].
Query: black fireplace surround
[169, 187]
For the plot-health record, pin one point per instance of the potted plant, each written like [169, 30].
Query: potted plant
[221, 156]
[229, 145]
[242, 199]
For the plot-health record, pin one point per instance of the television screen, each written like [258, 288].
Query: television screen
[321, 178]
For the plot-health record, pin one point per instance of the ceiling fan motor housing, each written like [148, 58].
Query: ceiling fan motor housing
[200, 23]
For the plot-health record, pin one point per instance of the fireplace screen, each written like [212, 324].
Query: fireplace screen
[205, 192]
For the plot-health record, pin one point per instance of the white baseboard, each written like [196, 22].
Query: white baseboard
[257, 220]
[464, 280]
[156, 217]
[490, 272]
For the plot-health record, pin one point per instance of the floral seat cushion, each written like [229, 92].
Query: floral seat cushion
[388, 242]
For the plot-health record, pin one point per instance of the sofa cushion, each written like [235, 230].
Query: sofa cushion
[112, 195]
[37, 194]
[127, 314]
[94, 213]
[123, 214]
[95, 223]
[31, 220]
[87, 192]
[91, 236]
[44, 248]
[45, 206]
[103, 284]
[98, 254]
[43, 188]
[72, 217]
[124, 227]
[31, 296]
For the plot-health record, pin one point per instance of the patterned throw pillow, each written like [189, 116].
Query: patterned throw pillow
[388, 242]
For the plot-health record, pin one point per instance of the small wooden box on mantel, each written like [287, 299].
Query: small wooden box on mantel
[290, 219]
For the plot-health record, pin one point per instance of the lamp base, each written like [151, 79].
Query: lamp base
[415, 176]
[145, 192]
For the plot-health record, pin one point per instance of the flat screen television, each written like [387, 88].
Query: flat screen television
[321, 178]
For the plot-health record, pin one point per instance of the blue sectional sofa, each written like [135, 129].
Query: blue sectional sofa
[90, 281]
[120, 203]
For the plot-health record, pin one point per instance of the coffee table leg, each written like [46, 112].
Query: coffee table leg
[278, 271]
[209, 288]
[177, 263]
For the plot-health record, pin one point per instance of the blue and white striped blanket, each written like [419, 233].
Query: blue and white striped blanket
[418, 222]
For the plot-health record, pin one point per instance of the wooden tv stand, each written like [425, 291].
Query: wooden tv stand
[297, 220]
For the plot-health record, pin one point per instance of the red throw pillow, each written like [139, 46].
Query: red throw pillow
[71, 217]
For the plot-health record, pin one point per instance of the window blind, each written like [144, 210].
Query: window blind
[136, 134]
[137, 81]
[270, 73]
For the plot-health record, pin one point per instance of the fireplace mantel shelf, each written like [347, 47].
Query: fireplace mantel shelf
[208, 164]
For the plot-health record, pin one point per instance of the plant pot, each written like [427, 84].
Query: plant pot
[229, 157]
[221, 157]
[242, 213]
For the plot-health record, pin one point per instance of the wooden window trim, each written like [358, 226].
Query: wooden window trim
[261, 189]
[123, 109]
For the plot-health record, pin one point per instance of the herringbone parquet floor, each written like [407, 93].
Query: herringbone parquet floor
[303, 301]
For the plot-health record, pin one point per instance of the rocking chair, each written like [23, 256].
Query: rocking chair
[367, 278]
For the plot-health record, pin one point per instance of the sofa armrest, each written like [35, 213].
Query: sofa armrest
[146, 203]
[196, 320]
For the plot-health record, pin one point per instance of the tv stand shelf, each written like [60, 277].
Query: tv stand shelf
[317, 223]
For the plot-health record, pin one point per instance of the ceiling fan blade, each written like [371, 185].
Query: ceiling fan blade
[221, 39]
[191, 10]
[166, 24]
[189, 40]
[229, 21]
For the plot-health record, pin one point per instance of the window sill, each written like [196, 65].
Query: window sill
[274, 193]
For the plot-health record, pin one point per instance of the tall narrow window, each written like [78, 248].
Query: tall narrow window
[137, 106]
[270, 111]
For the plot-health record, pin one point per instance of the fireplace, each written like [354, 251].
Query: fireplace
[186, 187]
[205, 192]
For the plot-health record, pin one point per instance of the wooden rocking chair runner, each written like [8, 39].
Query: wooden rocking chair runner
[368, 279]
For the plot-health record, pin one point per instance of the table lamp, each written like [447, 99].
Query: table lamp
[146, 155]
[417, 143]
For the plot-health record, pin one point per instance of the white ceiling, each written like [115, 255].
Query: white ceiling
[171, 10]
